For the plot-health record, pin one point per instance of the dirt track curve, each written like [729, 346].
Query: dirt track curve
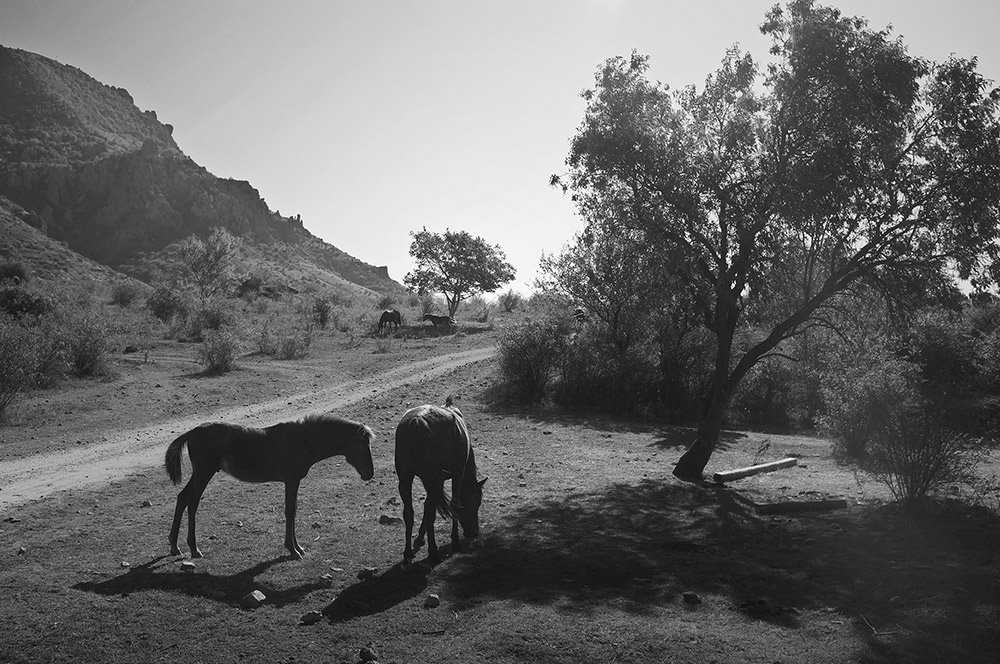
[124, 452]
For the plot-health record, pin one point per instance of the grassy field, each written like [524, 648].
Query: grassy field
[591, 552]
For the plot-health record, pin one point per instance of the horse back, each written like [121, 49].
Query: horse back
[431, 443]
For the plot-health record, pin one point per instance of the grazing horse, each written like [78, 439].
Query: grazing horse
[389, 318]
[281, 453]
[446, 321]
[432, 443]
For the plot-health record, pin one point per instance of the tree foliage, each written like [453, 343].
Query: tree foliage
[849, 163]
[211, 262]
[456, 264]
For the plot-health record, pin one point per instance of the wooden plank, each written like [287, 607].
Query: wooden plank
[801, 506]
[730, 475]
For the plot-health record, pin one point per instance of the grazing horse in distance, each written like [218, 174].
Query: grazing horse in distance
[280, 453]
[432, 443]
[389, 318]
[445, 321]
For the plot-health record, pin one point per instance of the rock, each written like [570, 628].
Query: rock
[691, 598]
[432, 601]
[150, 148]
[188, 566]
[253, 600]
[387, 520]
[368, 653]
[367, 573]
[317, 525]
[21, 551]
[146, 503]
[125, 564]
[311, 618]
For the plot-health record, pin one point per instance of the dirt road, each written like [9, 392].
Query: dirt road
[123, 452]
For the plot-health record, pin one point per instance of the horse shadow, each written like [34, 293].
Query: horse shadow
[162, 573]
[379, 593]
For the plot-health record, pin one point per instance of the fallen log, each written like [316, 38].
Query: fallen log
[730, 475]
[801, 506]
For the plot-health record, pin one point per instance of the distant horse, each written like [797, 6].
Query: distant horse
[432, 443]
[389, 318]
[446, 321]
[281, 453]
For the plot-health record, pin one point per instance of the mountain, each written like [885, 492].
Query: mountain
[83, 165]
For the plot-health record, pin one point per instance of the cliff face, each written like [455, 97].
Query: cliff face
[94, 171]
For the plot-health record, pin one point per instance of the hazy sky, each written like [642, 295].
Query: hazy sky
[375, 118]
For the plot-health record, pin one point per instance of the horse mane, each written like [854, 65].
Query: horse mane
[330, 418]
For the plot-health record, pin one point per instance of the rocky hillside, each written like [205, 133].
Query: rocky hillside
[80, 163]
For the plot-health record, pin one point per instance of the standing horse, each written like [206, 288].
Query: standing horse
[389, 318]
[281, 453]
[432, 443]
[446, 321]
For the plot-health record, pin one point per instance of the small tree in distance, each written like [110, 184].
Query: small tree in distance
[211, 262]
[456, 264]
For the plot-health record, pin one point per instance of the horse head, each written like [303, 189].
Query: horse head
[468, 510]
[359, 452]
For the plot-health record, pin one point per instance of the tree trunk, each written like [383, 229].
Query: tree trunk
[691, 465]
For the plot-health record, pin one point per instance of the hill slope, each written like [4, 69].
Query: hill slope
[92, 170]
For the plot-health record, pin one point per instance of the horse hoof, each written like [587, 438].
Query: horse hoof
[196, 554]
[174, 551]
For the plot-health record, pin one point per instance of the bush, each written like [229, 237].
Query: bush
[509, 301]
[87, 343]
[218, 351]
[167, 303]
[861, 402]
[18, 362]
[916, 457]
[593, 374]
[386, 302]
[322, 309]
[529, 354]
[214, 314]
[124, 293]
[294, 343]
[19, 301]
[14, 272]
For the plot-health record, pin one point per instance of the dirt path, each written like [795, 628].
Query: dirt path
[122, 452]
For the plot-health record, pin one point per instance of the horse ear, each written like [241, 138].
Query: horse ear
[482, 482]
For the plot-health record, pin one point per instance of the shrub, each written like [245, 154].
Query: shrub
[529, 354]
[214, 314]
[385, 302]
[322, 309]
[294, 343]
[916, 457]
[167, 303]
[18, 362]
[87, 343]
[14, 272]
[218, 351]
[510, 301]
[592, 374]
[124, 293]
[861, 402]
[19, 301]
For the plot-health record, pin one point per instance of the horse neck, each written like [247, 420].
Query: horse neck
[330, 439]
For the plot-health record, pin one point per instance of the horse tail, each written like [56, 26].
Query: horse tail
[422, 432]
[172, 459]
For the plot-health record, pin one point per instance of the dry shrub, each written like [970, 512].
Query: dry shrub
[18, 361]
[529, 354]
[219, 350]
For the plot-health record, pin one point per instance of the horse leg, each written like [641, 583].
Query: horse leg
[406, 495]
[196, 486]
[291, 504]
[427, 526]
[456, 544]
[175, 527]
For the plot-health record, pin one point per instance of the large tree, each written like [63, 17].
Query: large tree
[457, 264]
[849, 162]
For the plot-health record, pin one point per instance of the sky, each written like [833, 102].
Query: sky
[376, 118]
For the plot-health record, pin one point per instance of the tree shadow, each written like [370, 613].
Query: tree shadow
[162, 573]
[379, 593]
[640, 547]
